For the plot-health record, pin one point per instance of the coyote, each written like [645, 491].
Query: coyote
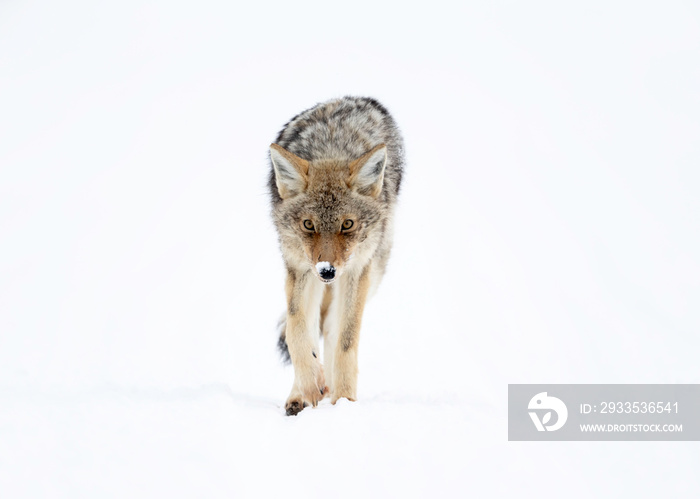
[334, 179]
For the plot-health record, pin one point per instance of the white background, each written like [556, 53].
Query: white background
[547, 233]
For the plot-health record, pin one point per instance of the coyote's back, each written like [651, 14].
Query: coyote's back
[344, 128]
[335, 174]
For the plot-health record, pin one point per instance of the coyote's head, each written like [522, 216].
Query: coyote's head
[330, 210]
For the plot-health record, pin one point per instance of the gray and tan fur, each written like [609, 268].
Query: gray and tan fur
[335, 175]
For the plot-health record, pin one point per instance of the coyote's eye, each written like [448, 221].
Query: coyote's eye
[347, 225]
[308, 225]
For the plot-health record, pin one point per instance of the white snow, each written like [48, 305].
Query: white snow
[320, 266]
[552, 161]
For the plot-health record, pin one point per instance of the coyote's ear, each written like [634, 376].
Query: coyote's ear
[290, 171]
[367, 172]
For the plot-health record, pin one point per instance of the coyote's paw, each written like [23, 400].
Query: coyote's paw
[297, 402]
[308, 393]
[294, 406]
[335, 398]
[343, 391]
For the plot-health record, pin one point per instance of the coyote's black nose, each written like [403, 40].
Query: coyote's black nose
[327, 273]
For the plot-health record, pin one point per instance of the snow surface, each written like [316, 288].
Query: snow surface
[552, 160]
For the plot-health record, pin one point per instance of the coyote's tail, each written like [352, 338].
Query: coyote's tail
[282, 341]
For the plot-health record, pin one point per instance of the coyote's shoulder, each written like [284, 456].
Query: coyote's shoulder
[335, 174]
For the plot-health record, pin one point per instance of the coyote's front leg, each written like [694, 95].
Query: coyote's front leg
[304, 294]
[353, 295]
